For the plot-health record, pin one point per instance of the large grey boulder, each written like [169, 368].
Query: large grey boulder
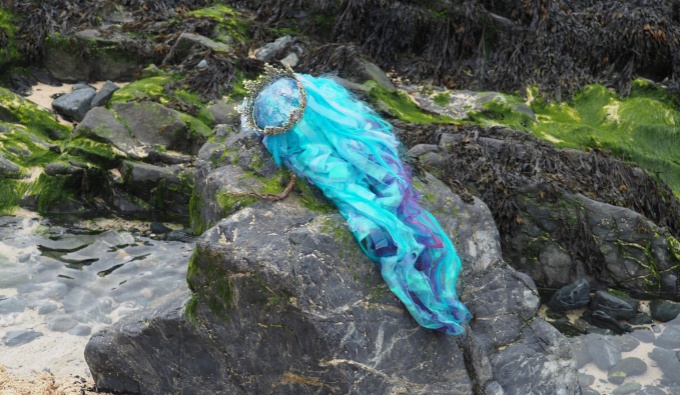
[284, 301]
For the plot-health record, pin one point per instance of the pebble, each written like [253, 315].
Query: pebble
[60, 322]
[627, 388]
[664, 310]
[670, 338]
[17, 338]
[627, 342]
[627, 367]
[80, 330]
[614, 306]
[601, 319]
[604, 352]
[570, 297]
[641, 319]
[667, 362]
[11, 305]
[46, 308]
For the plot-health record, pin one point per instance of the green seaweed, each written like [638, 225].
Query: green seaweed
[228, 20]
[442, 99]
[642, 128]
[400, 105]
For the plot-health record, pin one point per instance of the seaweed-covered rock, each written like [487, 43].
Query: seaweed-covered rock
[102, 125]
[155, 124]
[285, 301]
[564, 214]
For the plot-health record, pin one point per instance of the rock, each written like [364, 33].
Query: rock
[102, 125]
[589, 391]
[291, 60]
[558, 231]
[651, 390]
[60, 322]
[74, 105]
[271, 51]
[223, 112]
[627, 388]
[167, 189]
[17, 338]
[615, 307]
[286, 302]
[664, 310]
[641, 319]
[571, 297]
[158, 227]
[670, 338]
[458, 103]
[644, 335]
[80, 330]
[9, 169]
[580, 349]
[601, 319]
[12, 305]
[627, 342]
[104, 94]
[625, 368]
[168, 158]
[54, 169]
[668, 362]
[80, 85]
[585, 379]
[46, 308]
[153, 124]
[188, 42]
[422, 149]
[604, 352]
[113, 55]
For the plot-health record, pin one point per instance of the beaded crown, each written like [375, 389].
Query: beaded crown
[255, 88]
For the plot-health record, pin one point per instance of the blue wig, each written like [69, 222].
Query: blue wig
[346, 150]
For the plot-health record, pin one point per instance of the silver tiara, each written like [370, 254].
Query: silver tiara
[254, 88]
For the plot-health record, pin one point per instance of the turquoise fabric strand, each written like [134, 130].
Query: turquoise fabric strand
[345, 149]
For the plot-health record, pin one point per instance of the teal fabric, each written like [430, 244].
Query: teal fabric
[350, 153]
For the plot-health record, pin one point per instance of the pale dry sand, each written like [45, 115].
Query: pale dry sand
[43, 384]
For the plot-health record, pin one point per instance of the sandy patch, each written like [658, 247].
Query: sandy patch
[43, 384]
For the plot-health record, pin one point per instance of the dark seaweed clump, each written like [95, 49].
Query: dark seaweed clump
[559, 45]
[498, 164]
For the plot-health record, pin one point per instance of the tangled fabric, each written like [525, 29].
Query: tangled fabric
[350, 153]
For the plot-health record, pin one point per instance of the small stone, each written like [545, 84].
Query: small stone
[46, 308]
[422, 149]
[270, 51]
[589, 391]
[75, 104]
[586, 379]
[202, 64]
[670, 338]
[627, 388]
[664, 310]
[158, 227]
[570, 297]
[104, 94]
[291, 60]
[651, 390]
[602, 320]
[627, 342]
[614, 306]
[11, 305]
[17, 338]
[60, 322]
[625, 368]
[641, 319]
[80, 330]
[23, 258]
[668, 362]
[604, 352]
